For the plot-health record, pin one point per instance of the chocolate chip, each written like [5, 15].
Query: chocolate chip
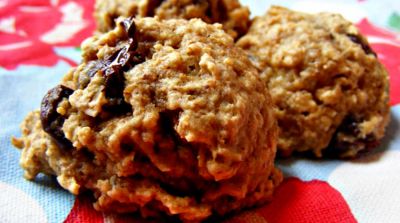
[52, 121]
[357, 39]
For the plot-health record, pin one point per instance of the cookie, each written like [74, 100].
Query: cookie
[329, 88]
[230, 13]
[166, 119]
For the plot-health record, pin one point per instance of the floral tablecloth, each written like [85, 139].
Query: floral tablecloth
[39, 42]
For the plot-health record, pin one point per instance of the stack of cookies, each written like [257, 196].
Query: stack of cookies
[178, 108]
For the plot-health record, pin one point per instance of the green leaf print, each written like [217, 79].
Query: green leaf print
[394, 21]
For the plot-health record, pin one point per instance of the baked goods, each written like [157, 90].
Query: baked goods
[162, 118]
[230, 13]
[327, 83]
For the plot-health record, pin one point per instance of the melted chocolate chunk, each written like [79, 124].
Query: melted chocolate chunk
[52, 121]
[357, 39]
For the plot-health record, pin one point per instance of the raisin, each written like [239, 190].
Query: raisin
[115, 80]
[122, 58]
[52, 121]
[349, 126]
[357, 39]
[92, 67]
[130, 26]
[112, 69]
[339, 145]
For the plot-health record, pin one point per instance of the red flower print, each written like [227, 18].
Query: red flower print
[295, 201]
[30, 29]
[83, 211]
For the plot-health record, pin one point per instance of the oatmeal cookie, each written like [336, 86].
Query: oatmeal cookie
[230, 13]
[161, 118]
[330, 90]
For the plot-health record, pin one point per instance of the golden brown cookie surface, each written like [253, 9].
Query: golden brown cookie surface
[230, 13]
[164, 118]
[328, 85]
